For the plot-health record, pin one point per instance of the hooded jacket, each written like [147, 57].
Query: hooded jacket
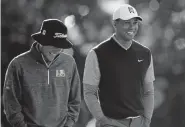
[36, 95]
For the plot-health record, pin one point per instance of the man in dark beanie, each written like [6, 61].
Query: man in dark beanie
[42, 85]
[118, 76]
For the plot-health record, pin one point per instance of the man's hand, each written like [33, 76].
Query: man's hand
[146, 121]
[102, 122]
[105, 122]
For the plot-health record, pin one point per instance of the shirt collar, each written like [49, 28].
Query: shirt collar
[126, 48]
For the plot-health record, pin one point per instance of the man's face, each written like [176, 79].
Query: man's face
[50, 52]
[126, 29]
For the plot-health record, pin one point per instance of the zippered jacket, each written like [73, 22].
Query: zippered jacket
[36, 95]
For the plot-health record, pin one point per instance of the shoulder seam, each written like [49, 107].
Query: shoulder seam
[102, 43]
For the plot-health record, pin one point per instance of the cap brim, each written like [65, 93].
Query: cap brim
[37, 36]
[59, 43]
[62, 43]
[138, 17]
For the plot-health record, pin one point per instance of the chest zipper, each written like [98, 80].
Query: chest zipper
[48, 71]
[47, 65]
[48, 76]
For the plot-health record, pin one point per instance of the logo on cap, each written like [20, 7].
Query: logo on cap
[60, 35]
[131, 10]
[44, 32]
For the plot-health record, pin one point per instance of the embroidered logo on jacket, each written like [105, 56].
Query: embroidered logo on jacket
[60, 73]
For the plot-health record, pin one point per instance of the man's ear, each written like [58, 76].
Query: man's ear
[114, 23]
[40, 47]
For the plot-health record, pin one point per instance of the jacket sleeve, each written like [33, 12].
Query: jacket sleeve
[12, 96]
[74, 98]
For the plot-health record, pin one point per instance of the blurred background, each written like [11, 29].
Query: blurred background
[89, 22]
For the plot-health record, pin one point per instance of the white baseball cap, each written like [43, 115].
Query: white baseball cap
[125, 12]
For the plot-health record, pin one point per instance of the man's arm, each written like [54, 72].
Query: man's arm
[91, 81]
[91, 99]
[74, 99]
[148, 99]
[12, 96]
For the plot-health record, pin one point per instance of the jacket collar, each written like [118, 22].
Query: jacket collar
[35, 52]
[37, 55]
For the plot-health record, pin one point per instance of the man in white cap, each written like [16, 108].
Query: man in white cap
[118, 76]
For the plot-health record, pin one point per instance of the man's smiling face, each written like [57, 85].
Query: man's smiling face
[127, 29]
